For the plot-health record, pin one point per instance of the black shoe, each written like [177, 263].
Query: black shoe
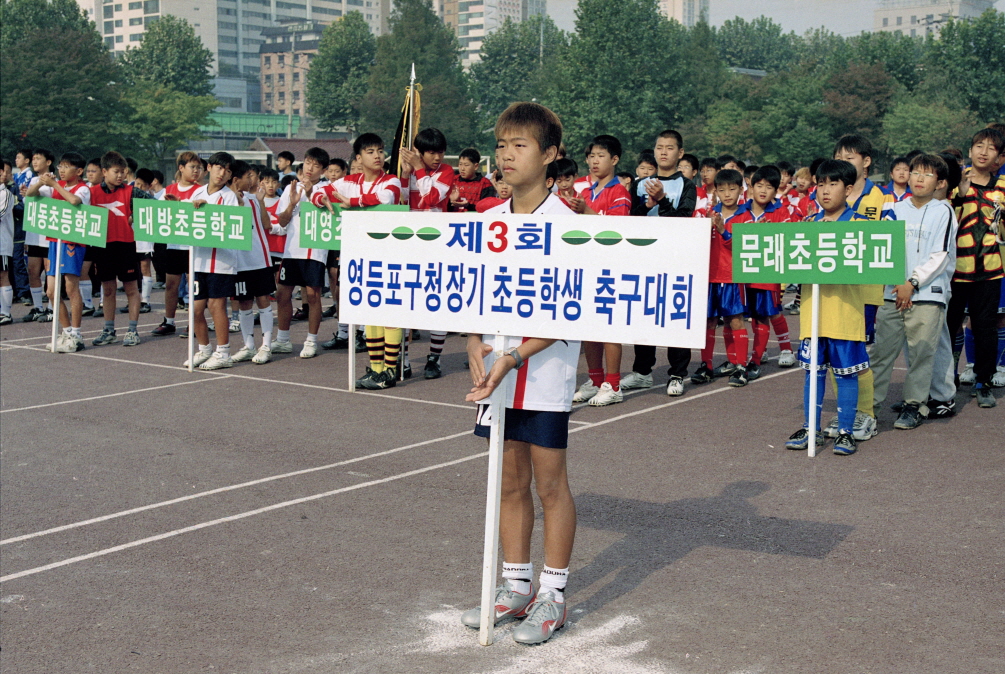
[985, 398]
[125, 309]
[753, 371]
[941, 410]
[702, 375]
[370, 374]
[301, 314]
[182, 306]
[739, 377]
[898, 407]
[27, 301]
[33, 315]
[909, 419]
[845, 445]
[380, 381]
[432, 370]
[725, 370]
[145, 308]
[330, 311]
[407, 374]
[800, 440]
[164, 328]
[88, 311]
[336, 342]
[361, 342]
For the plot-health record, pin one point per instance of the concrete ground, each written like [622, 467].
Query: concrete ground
[264, 520]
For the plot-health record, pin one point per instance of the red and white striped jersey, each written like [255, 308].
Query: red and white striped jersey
[293, 249]
[611, 199]
[183, 194]
[430, 190]
[215, 260]
[258, 256]
[386, 189]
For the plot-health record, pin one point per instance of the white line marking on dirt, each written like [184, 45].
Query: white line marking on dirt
[107, 395]
[94, 332]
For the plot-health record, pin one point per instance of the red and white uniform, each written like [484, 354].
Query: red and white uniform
[775, 212]
[701, 201]
[81, 190]
[430, 190]
[119, 203]
[275, 233]
[386, 189]
[215, 260]
[183, 194]
[258, 256]
[293, 249]
[547, 381]
[611, 199]
[581, 185]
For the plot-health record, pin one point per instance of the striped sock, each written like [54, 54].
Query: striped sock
[375, 347]
[781, 328]
[436, 340]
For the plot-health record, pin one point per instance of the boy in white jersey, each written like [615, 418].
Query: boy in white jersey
[215, 272]
[538, 407]
[255, 281]
[7, 201]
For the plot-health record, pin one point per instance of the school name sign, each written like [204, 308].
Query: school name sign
[58, 219]
[179, 222]
[574, 277]
[322, 229]
[853, 252]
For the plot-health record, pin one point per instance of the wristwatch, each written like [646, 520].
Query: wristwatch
[914, 283]
[516, 356]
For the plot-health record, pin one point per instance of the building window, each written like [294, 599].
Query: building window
[110, 42]
[281, 59]
[107, 12]
[136, 37]
[282, 97]
[282, 79]
[268, 98]
[268, 80]
[296, 111]
[886, 21]
[914, 19]
[109, 27]
[268, 61]
[147, 20]
[223, 11]
[296, 76]
[136, 22]
[118, 8]
[900, 20]
[282, 111]
[296, 95]
[152, 7]
[118, 23]
[226, 25]
[118, 38]
[914, 32]
[135, 5]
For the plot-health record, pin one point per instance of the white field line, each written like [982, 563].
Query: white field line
[94, 332]
[107, 395]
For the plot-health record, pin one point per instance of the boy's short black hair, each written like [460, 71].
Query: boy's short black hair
[287, 155]
[285, 182]
[728, 177]
[341, 163]
[741, 165]
[954, 171]
[911, 155]
[933, 162]
[45, 153]
[96, 161]
[471, 154]
[364, 142]
[25, 152]
[647, 157]
[854, 142]
[710, 162]
[690, 159]
[815, 164]
[750, 170]
[605, 142]
[239, 169]
[145, 174]
[769, 173]
[898, 161]
[670, 133]
[566, 167]
[158, 176]
[724, 159]
[624, 174]
[224, 159]
[269, 174]
[838, 170]
[318, 154]
[430, 140]
[74, 159]
[113, 159]
[541, 122]
[132, 164]
[5, 162]
[785, 167]
[989, 133]
[552, 172]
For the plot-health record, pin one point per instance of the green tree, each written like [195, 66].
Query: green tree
[418, 36]
[758, 44]
[163, 119]
[900, 55]
[21, 18]
[968, 61]
[339, 74]
[920, 124]
[857, 98]
[173, 55]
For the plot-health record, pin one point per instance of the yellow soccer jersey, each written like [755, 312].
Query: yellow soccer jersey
[842, 312]
[873, 204]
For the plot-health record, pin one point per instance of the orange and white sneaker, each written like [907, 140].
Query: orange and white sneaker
[509, 604]
[544, 617]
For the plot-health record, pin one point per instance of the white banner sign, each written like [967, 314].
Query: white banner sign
[606, 279]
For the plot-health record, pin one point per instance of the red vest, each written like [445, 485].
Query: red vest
[120, 210]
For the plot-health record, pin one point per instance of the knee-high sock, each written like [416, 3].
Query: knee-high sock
[1001, 347]
[865, 392]
[247, 319]
[741, 347]
[727, 338]
[818, 404]
[145, 288]
[375, 346]
[968, 344]
[85, 293]
[6, 299]
[957, 349]
[37, 297]
[849, 388]
[706, 353]
[266, 318]
[436, 340]
[392, 347]
[761, 333]
[781, 328]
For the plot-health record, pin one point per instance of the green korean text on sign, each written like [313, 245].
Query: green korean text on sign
[855, 252]
[322, 229]
[58, 219]
[179, 222]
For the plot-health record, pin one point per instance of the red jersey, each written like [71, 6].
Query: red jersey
[487, 203]
[774, 212]
[119, 202]
[720, 266]
[611, 199]
[430, 190]
[701, 201]
[474, 190]
[277, 242]
[386, 189]
[183, 193]
[581, 185]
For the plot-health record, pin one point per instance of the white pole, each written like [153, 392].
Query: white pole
[411, 108]
[352, 358]
[490, 558]
[191, 308]
[57, 299]
[811, 448]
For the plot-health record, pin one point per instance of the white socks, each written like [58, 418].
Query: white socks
[85, 293]
[518, 576]
[145, 288]
[343, 331]
[283, 336]
[247, 319]
[6, 299]
[205, 348]
[311, 338]
[36, 297]
[265, 316]
[554, 581]
[223, 349]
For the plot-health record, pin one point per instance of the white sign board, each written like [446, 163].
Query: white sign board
[577, 277]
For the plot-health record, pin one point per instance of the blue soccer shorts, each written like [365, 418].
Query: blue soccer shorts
[71, 262]
[726, 299]
[841, 355]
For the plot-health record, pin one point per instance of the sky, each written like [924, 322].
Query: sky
[846, 17]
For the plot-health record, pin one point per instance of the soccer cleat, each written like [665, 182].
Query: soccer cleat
[380, 380]
[786, 358]
[675, 387]
[509, 604]
[88, 311]
[831, 431]
[199, 358]
[211, 325]
[585, 392]
[234, 326]
[106, 337]
[607, 396]
[26, 300]
[263, 356]
[244, 354]
[164, 328]
[794, 311]
[702, 375]
[132, 338]
[725, 370]
[544, 617]
[282, 347]
[739, 377]
[217, 361]
[300, 314]
[636, 380]
[78, 342]
[370, 374]
[432, 369]
[407, 374]
[845, 445]
[865, 427]
[753, 371]
[335, 342]
[6, 319]
[909, 419]
[792, 288]
[183, 333]
[967, 377]
[800, 440]
[985, 398]
[360, 342]
[998, 378]
[44, 316]
[330, 311]
[145, 308]
[310, 350]
[938, 409]
[65, 344]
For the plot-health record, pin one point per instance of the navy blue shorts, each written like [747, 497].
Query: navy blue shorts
[726, 299]
[870, 323]
[544, 429]
[841, 355]
[214, 286]
[764, 304]
[303, 273]
[255, 283]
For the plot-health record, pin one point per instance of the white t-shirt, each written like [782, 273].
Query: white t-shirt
[293, 249]
[258, 256]
[215, 260]
[547, 380]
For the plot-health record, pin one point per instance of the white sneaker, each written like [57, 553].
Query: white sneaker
[282, 347]
[786, 358]
[65, 344]
[235, 325]
[968, 377]
[636, 380]
[585, 392]
[998, 378]
[607, 396]
[263, 356]
[244, 354]
[675, 387]
[310, 350]
[864, 429]
[217, 361]
[199, 358]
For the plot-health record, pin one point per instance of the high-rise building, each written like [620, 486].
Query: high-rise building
[686, 12]
[285, 58]
[472, 20]
[920, 17]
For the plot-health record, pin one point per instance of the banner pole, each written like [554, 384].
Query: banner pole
[191, 308]
[811, 446]
[411, 108]
[490, 558]
[352, 358]
[56, 300]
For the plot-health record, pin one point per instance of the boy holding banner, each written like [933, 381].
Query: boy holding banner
[842, 323]
[537, 408]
